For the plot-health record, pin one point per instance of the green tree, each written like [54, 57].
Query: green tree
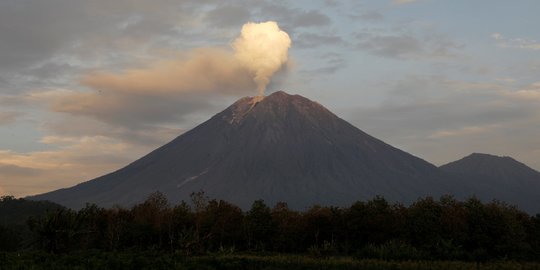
[259, 226]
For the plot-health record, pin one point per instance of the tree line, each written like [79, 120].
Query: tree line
[433, 229]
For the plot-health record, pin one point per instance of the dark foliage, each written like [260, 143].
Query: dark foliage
[429, 229]
[14, 214]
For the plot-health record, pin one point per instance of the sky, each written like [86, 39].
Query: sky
[86, 87]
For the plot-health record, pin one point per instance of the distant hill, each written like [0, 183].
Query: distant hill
[493, 177]
[17, 211]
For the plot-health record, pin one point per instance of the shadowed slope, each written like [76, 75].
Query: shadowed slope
[503, 178]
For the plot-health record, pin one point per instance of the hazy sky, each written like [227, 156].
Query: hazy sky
[88, 86]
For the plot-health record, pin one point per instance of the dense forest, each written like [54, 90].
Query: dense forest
[429, 229]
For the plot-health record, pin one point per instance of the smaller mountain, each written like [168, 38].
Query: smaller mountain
[17, 211]
[491, 165]
[493, 177]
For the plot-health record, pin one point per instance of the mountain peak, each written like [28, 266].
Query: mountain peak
[487, 156]
[491, 165]
[278, 104]
[491, 160]
[495, 177]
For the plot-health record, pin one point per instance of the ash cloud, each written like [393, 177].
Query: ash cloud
[263, 49]
[167, 90]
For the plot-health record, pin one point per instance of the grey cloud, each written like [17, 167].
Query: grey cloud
[312, 40]
[8, 170]
[132, 111]
[83, 34]
[292, 19]
[407, 46]
[516, 43]
[228, 15]
[372, 16]
[23, 43]
[442, 120]
[8, 117]
[332, 63]
[331, 3]
[403, 2]
[393, 46]
[51, 71]
[12, 100]
[311, 18]
[148, 135]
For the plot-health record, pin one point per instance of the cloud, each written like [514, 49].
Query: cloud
[7, 118]
[17, 171]
[167, 91]
[466, 131]
[132, 111]
[312, 40]
[371, 16]
[292, 19]
[407, 46]
[393, 46]
[47, 43]
[147, 135]
[75, 160]
[403, 2]
[120, 115]
[332, 63]
[228, 15]
[201, 70]
[442, 120]
[263, 48]
[530, 93]
[311, 18]
[516, 43]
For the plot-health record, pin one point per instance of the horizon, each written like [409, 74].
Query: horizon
[87, 88]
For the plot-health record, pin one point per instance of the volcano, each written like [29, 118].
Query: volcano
[491, 177]
[276, 148]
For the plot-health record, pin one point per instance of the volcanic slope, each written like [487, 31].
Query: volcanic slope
[492, 177]
[278, 148]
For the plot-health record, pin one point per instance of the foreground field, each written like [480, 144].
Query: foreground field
[158, 260]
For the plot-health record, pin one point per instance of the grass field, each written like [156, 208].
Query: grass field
[158, 260]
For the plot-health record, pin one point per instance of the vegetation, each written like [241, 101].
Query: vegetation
[156, 261]
[218, 235]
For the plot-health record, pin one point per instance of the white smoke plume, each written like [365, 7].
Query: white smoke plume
[263, 49]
